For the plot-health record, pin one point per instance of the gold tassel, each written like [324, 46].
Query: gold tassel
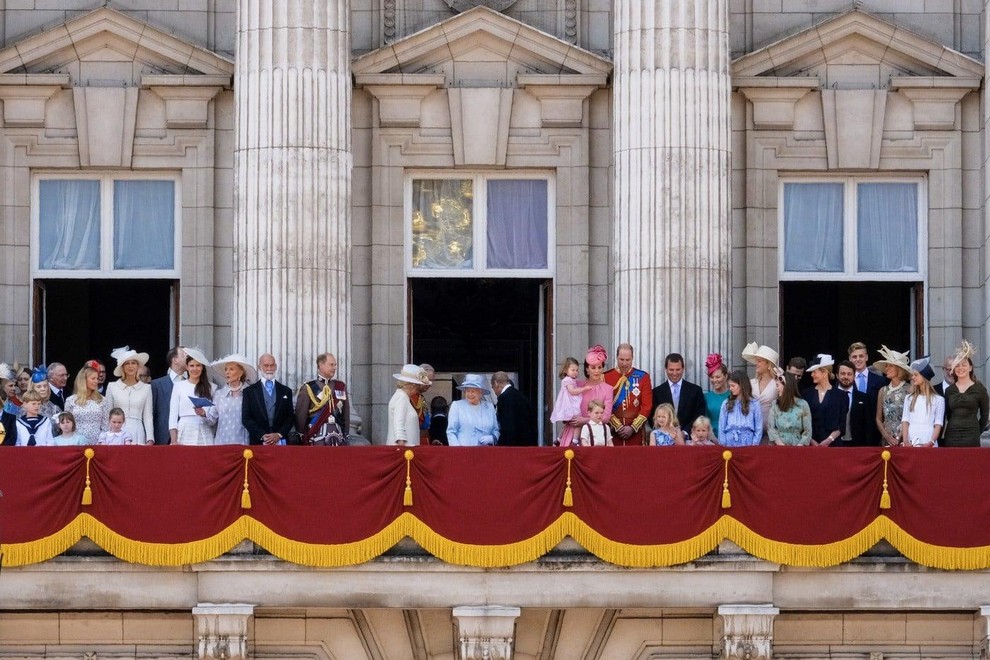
[726, 497]
[245, 494]
[568, 495]
[87, 496]
[885, 496]
[407, 495]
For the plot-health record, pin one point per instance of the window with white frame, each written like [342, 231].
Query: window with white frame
[105, 225]
[472, 224]
[852, 228]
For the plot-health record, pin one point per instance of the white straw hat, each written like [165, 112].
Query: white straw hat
[823, 360]
[753, 351]
[412, 373]
[122, 355]
[891, 357]
[250, 373]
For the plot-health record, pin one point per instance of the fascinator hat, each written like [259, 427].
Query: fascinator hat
[39, 374]
[964, 351]
[923, 366]
[752, 351]
[891, 357]
[713, 363]
[596, 355]
[122, 355]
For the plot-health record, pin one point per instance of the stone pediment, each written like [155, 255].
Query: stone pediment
[103, 37]
[482, 47]
[841, 50]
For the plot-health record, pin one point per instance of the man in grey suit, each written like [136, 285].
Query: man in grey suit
[161, 393]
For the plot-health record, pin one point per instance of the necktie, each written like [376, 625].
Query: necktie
[861, 382]
[270, 387]
[675, 393]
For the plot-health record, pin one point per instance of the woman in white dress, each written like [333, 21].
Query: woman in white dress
[764, 382]
[924, 409]
[226, 413]
[131, 395]
[189, 424]
[403, 409]
[90, 408]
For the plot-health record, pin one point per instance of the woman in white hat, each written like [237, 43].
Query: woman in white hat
[188, 423]
[924, 409]
[764, 382]
[966, 402]
[236, 372]
[471, 421]
[132, 395]
[405, 407]
[890, 400]
[826, 402]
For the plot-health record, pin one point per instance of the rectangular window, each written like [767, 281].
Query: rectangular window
[479, 224]
[109, 225]
[848, 228]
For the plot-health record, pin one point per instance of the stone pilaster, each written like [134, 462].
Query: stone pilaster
[292, 181]
[671, 127]
[748, 631]
[223, 631]
[486, 632]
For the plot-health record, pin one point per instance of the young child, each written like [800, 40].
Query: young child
[116, 435]
[666, 428]
[702, 434]
[69, 437]
[740, 422]
[32, 428]
[568, 403]
[438, 421]
[596, 433]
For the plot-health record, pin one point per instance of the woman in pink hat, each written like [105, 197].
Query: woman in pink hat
[594, 371]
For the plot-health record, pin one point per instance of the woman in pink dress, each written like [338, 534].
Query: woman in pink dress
[594, 371]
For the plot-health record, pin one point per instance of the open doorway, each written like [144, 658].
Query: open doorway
[76, 320]
[482, 325]
[826, 317]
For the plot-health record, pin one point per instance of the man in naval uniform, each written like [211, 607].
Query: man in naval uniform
[632, 399]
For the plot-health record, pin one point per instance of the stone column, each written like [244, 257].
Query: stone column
[671, 129]
[223, 631]
[292, 183]
[486, 632]
[748, 631]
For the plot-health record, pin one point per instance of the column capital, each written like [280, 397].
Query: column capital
[222, 630]
[748, 631]
[486, 631]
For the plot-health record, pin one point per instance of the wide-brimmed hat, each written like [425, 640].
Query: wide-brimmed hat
[890, 357]
[250, 373]
[923, 366]
[822, 361]
[412, 373]
[473, 380]
[754, 350]
[197, 354]
[122, 355]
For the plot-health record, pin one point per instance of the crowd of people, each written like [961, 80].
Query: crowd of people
[850, 403]
[232, 401]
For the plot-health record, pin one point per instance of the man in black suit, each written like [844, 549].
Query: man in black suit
[514, 414]
[687, 398]
[947, 377]
[268, 411]
[161, 393]
[58, 378]
[861, 424]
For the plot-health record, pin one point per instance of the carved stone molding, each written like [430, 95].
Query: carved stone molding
[935, 100]
[774, 99]
[222, 631]
[486, 632]
[464, 5]
[853, 127]
[105, 120]
[24, 97]
[748, 631]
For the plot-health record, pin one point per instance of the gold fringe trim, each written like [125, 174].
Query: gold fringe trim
[495, 556]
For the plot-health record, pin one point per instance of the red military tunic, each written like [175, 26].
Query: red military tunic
[632, 400]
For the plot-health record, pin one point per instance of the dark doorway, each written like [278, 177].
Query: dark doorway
[480, 326]
[76, 320]
[826, 317]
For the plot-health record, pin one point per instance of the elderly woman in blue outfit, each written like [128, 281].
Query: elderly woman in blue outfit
[471, 421]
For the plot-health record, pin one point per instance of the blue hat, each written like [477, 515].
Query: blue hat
[39, 374]
[473, 380]
[923, 367]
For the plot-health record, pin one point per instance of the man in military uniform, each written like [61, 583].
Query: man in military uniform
[632, 399]
[322, 406]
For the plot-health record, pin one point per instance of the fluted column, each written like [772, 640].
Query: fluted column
[293, 181]
[671, 128]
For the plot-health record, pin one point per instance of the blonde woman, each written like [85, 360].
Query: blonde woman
[764, 382]
[90, 408]
[924, 409]
[890, 401]
[132, 395]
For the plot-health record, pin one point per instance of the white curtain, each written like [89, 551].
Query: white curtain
[887, 228]
[69, 225]
[517, 223]
[813, 227]
[143, 225]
